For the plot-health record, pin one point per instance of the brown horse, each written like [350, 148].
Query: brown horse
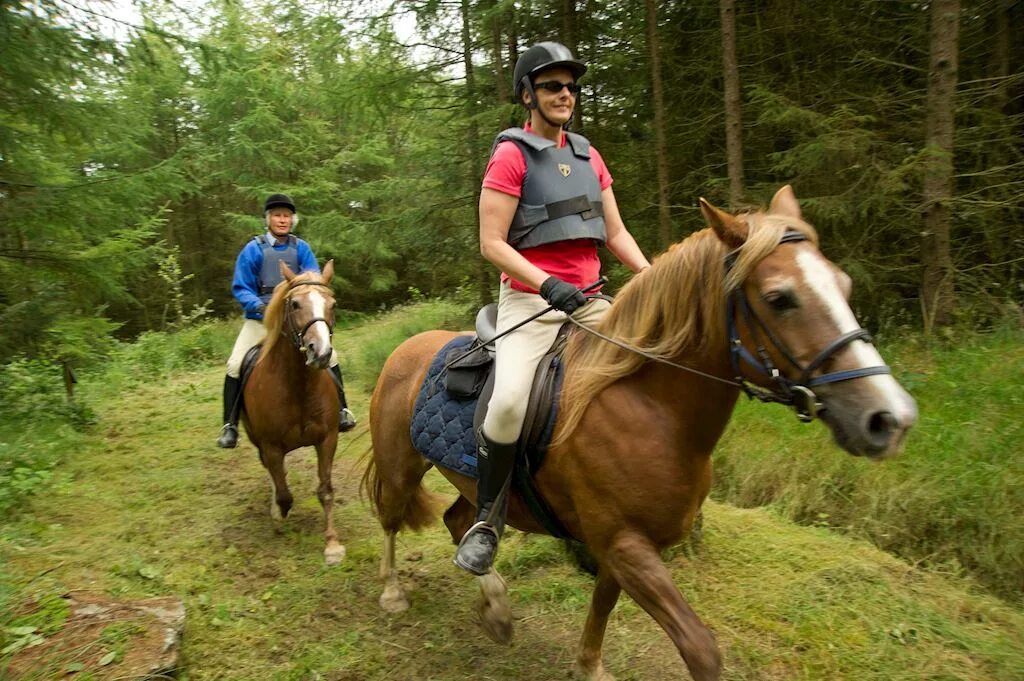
[290, 401]
[748, 304]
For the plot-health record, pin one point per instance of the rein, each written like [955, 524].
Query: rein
[296, 335]
[796, 394]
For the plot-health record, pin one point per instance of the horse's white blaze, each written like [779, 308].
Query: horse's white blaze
[318, 333]
[821, 279]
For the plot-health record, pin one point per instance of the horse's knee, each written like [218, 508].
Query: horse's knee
[704, 660]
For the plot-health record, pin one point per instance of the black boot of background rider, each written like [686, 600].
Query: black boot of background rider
[480, 544]
[229, 433]
[347, 420]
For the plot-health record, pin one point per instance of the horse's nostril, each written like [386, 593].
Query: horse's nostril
[882, 423]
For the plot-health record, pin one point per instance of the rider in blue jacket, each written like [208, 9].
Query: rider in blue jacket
[257, 272]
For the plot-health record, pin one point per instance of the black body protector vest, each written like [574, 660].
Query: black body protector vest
[270, 272]
[561, 197]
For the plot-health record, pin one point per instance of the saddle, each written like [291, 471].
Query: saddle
[453, 401]
[248, 362]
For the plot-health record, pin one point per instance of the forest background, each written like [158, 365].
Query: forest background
[132, 170]
[136, 149]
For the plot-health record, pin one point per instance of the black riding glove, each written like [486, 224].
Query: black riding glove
[562, 295]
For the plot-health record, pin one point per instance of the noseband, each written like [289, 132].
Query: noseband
[296, 335]
[797, 394]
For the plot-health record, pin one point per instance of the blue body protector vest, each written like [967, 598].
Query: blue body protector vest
[270, 271]
[561, 197]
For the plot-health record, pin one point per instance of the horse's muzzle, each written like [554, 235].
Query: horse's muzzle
[876, 428]
[317, 358]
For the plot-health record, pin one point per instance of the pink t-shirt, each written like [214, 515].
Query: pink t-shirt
[575, 260]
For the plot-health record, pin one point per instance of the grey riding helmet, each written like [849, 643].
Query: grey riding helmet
[546, 55]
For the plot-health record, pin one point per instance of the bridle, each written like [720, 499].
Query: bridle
[797, 394]
[296, 335]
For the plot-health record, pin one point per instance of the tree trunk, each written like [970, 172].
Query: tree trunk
[502, 94]
[660, 145]
[473, 141]
[937, 295]
[733, 119]
[999, 58]
[570, 38]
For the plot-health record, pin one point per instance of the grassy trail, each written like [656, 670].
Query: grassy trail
[151, 507]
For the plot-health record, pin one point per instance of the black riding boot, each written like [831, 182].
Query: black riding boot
[480, 544]
[232, 403]
[347, 420]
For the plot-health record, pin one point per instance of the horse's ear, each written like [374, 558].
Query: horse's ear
[784, 203]
[328, 272]
[286, 271]
[731, 231]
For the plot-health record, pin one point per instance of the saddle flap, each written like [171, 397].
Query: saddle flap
[467, 371]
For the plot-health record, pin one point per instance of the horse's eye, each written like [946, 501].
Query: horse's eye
[780, 301]
[295, 305]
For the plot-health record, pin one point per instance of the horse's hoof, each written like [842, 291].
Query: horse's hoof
[496, 621]
[334, 554]
[393, 600]
[579, 673]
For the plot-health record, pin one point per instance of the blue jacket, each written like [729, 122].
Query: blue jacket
[246, 285]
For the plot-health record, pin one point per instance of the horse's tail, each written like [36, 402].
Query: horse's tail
[414, 512]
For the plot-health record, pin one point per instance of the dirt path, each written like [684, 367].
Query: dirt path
[153, 508]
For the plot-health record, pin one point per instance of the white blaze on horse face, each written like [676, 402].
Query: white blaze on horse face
[318, 334]
[821, 280]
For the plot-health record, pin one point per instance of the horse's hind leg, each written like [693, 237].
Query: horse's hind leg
[334, 552]
[401, 501]
[393, 598]
[459, 517]
[589, 666]
[280, 495]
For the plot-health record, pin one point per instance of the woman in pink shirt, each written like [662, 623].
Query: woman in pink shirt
[546, 206]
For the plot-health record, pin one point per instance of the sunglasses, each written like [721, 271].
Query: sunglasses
[554, 87]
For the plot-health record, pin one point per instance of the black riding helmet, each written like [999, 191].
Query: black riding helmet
[546, 55]
[278, 201]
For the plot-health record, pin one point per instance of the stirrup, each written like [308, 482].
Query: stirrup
[228, 436]
[478, 528]
[347, 421]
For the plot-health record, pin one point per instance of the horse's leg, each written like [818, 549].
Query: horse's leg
[493, 609]
[589, 666]
[280, 495]
[459, 517]
[393, 599]
[334, 553]
[634, 563]
[400, 500]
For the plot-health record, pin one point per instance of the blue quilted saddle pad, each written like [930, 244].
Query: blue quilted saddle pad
[442, 426]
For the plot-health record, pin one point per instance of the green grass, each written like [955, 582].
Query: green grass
[953, 499]
[147, 506]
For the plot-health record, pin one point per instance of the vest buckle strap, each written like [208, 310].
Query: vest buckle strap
[531, 216]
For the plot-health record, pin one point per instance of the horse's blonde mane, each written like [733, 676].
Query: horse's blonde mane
[674, 309]
[273, 317]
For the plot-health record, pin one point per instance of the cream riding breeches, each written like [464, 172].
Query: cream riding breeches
[519, 353]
